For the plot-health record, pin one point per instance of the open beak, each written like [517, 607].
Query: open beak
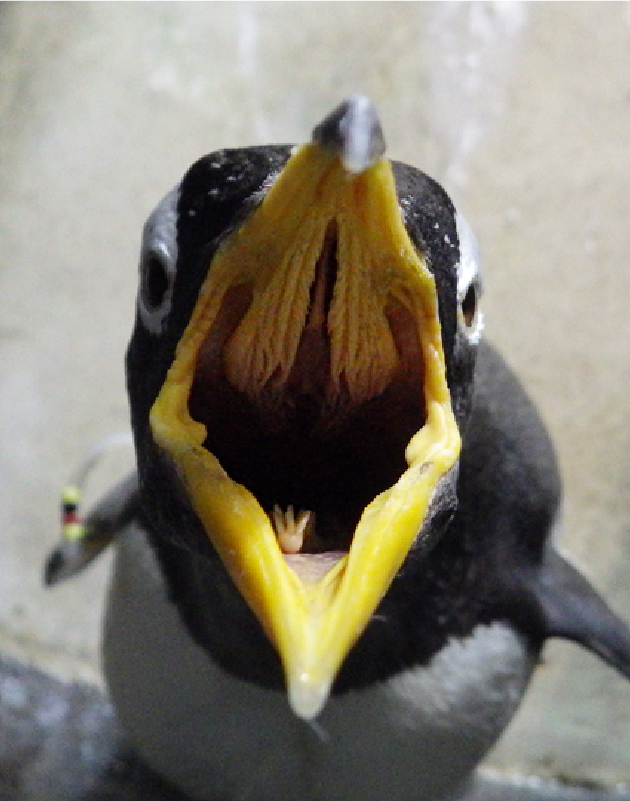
[307, 408]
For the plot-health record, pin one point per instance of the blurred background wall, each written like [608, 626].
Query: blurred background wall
[521, 110]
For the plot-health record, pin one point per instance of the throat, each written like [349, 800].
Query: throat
[310, 392]
[325, 464]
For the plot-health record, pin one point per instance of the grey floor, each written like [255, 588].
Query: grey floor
[59, 741]
[521, 110]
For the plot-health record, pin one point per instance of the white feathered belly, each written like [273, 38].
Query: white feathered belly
[411, 738]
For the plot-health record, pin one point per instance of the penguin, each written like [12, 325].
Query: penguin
[342, 564]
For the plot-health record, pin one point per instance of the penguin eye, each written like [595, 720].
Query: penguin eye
[157, 274]
[158, 263]
[155, 281]
[469, 306]
[469, 282]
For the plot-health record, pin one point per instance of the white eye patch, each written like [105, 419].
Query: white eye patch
[158, 260]
[469, 281]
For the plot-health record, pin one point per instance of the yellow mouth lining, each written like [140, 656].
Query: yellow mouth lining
[314, 623]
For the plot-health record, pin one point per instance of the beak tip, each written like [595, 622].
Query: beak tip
[307, 696]
[353, 131]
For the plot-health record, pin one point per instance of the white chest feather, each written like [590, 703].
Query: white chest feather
[411, 738]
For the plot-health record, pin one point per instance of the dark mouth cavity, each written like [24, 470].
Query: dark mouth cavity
[292, 447]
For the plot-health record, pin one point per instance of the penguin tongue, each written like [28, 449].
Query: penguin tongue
[291, 531]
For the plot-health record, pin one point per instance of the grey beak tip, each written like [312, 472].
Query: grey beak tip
[353, 131]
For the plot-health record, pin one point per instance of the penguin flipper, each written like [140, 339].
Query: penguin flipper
[573, 610]
[116, 509]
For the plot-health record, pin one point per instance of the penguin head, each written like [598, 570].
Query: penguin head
[300, 374]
